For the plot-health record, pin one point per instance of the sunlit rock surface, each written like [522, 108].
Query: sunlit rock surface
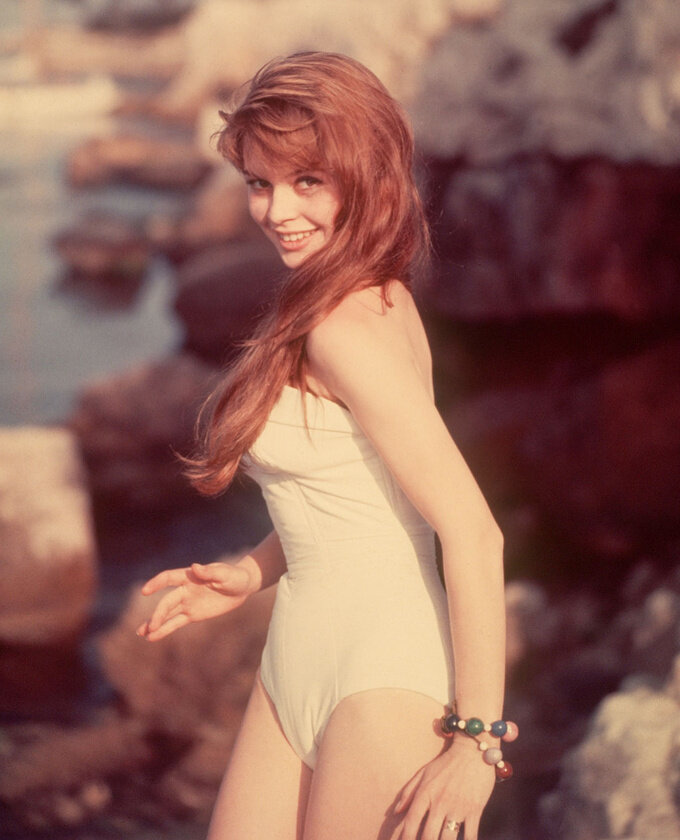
[47, 547]
[622, 780]
[578, 78]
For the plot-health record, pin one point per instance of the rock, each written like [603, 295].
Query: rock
[138, 160]
[104, 247]
[218, 214]
[621, 781]
[595, 456]
[48, 554]
[64, 50]
[393, 45]
[146, 15]
[221, 293]
[52, 776]
[198, 677]
[544, 237]
[578, 79]
[128, 426]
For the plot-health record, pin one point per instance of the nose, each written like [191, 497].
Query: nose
[283, 205]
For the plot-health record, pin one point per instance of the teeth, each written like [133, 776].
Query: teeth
[295, 237]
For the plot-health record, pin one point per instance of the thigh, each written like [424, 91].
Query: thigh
[374, 742]
[265, 787]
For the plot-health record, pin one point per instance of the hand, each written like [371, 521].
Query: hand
[199, 592]
[455, 785]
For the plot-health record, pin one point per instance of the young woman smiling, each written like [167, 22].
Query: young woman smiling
[330, 408]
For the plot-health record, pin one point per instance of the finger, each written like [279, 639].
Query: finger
[217, 575]
[433, 828]
[407, 793]
[413, 820]
[170, 577]
[165, 608]
[167, 628]
[472, 828]
[143, 629]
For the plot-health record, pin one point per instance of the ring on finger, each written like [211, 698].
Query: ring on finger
[452, 825]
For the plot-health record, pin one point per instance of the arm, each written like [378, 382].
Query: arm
[375, 377]
[199, 592]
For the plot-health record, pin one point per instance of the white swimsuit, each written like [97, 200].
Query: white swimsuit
[361, 605]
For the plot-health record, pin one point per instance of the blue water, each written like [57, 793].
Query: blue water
[51, 343]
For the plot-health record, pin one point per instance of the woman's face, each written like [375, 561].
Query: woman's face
[296, 210]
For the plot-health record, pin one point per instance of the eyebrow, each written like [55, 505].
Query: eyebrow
[295, 173]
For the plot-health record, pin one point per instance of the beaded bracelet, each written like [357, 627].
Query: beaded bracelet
[506, 730]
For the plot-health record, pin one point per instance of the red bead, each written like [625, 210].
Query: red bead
[503, 771]
[512, 731]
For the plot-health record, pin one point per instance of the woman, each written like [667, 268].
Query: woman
[330, 409]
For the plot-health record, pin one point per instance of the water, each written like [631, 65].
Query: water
[52, 343]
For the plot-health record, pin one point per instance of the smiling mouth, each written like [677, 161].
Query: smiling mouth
[295, 237]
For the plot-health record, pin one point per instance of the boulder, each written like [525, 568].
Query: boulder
[197, 678]
[59, 777]
[128, 426]
[221, 292]
[104, 247]
[580, 79]
[67, 50]
[542, 237]
[226, 41]
[48, 554]
[596, 456]
[622, 780]
[144, 15]
[129, 158]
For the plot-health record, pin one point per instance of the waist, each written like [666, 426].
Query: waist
[404, 550]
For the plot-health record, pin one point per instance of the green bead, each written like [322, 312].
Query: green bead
[474, 726]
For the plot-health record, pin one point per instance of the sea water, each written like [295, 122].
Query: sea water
[52, 343]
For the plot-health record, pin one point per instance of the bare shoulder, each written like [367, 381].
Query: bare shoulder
[363, 330]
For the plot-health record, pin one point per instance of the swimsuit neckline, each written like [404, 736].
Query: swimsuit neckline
[320, 397]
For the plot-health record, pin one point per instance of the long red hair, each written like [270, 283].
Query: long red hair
[322, 111]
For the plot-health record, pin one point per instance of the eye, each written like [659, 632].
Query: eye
[257, 184]
[307, 181]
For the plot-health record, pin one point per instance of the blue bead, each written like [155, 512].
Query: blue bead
[499, 728]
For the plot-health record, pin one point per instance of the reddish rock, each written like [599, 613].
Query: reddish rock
[221, 293]
[104, 247]
[199, 676]
[138, 160]
[128, 426]
[597, 457]
[542, 237]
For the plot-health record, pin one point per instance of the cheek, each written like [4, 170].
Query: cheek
[257, 207]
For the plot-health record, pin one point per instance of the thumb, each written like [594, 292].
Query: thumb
[212, 572]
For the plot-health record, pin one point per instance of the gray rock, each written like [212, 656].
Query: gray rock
[622, 780]
[575, 79]
[48, 555]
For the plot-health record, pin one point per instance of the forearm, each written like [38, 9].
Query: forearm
[265, 563]
[473, 571]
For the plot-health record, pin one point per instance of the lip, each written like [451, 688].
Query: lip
[296, 244]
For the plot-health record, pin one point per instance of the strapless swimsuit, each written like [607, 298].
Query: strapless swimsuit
[361, 605]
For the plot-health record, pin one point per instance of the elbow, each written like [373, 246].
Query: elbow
[481, 538]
